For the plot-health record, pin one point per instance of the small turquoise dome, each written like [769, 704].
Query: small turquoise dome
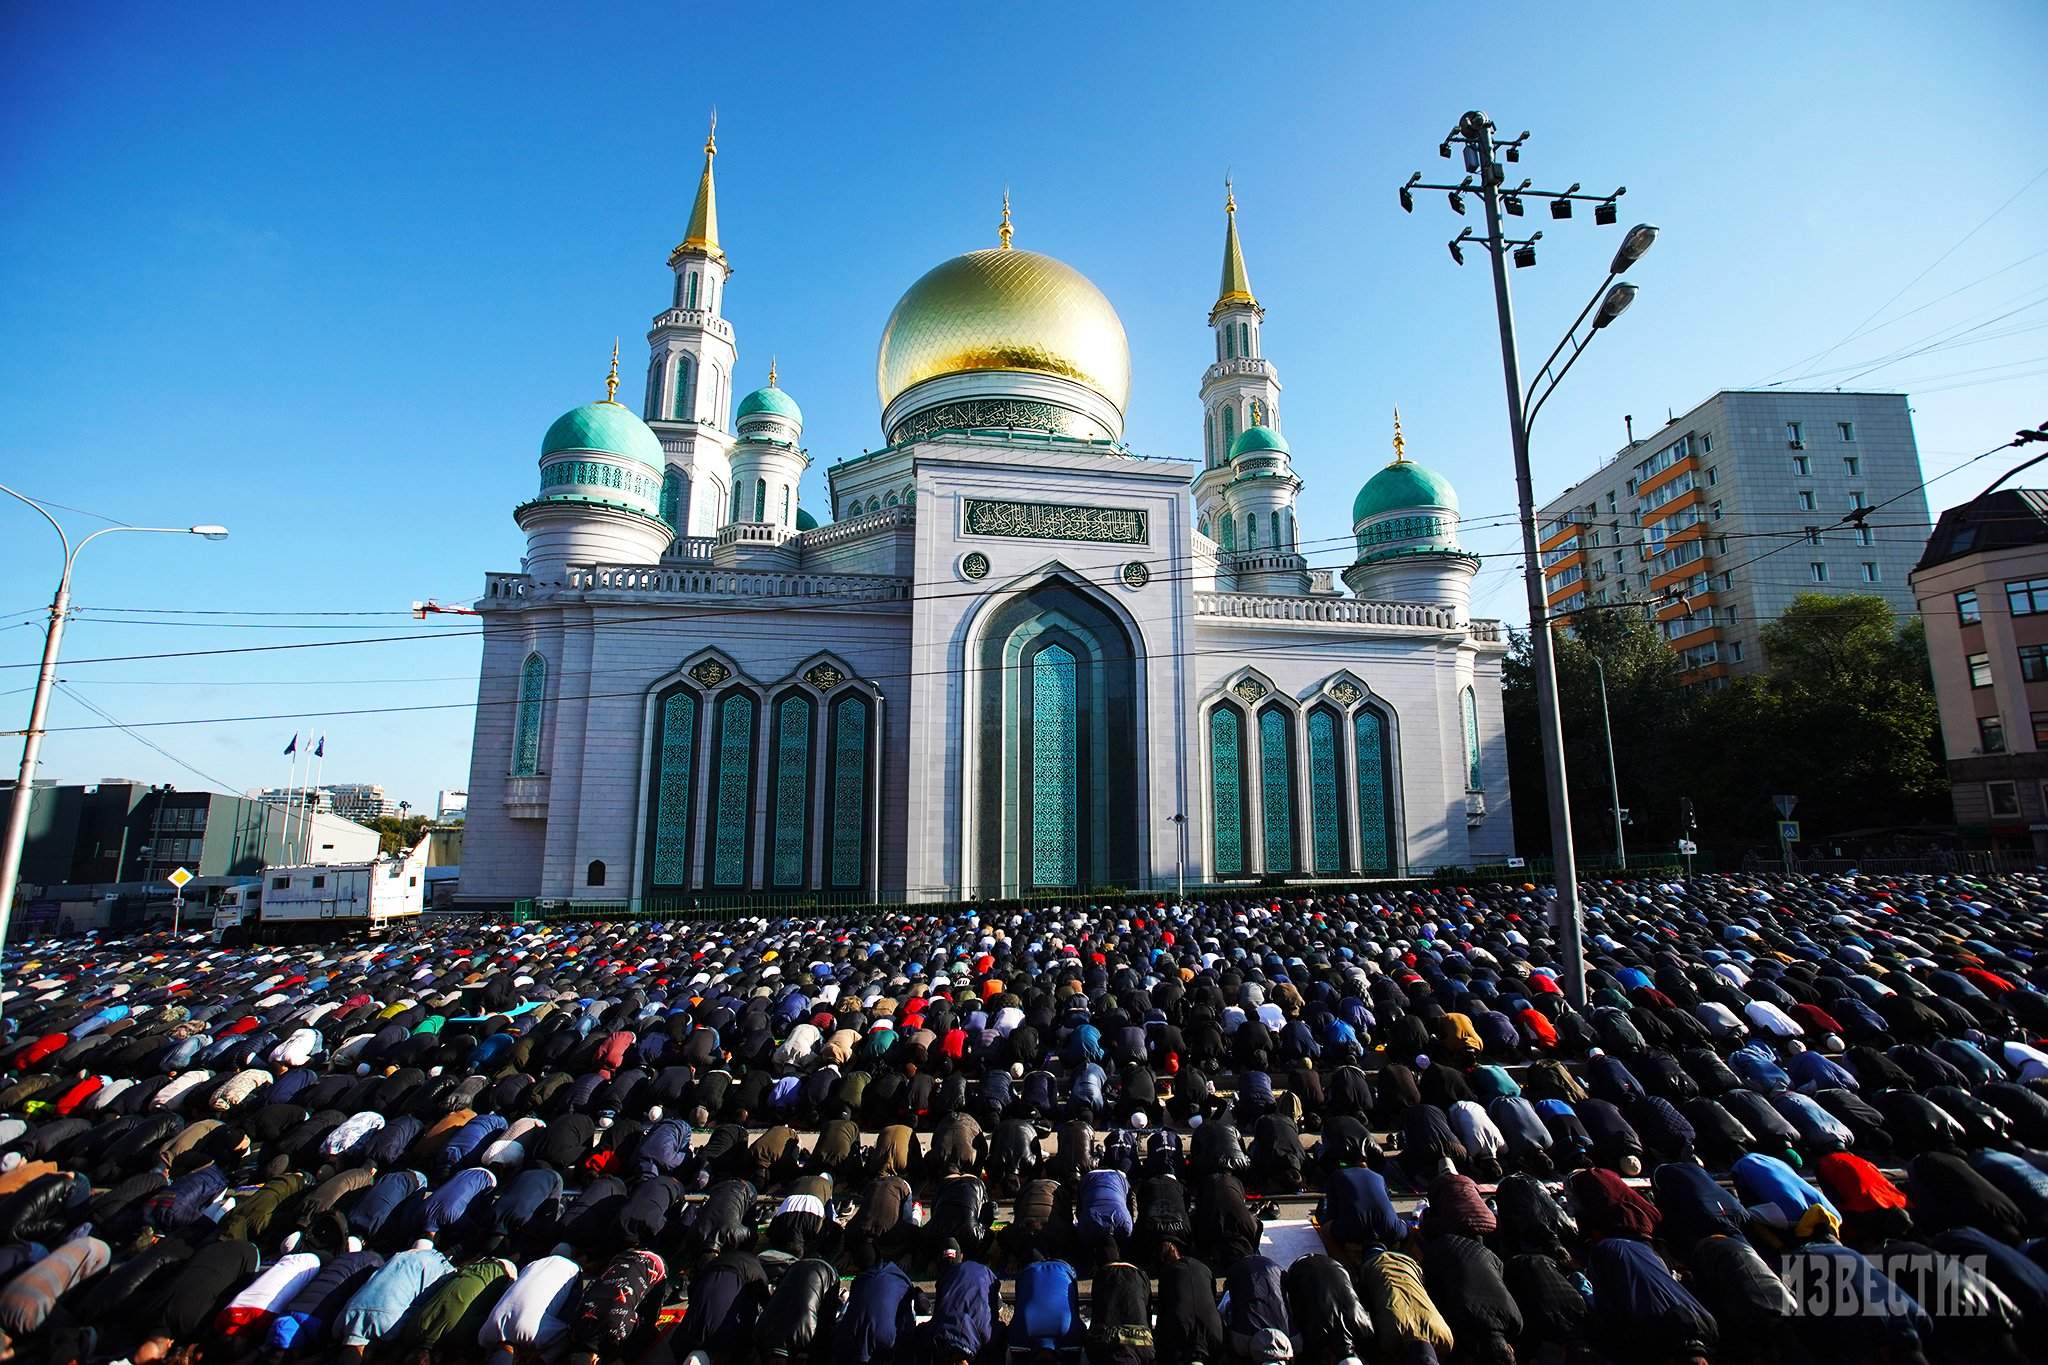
[1258, 438]
[1399, 486]
[608, 428]
[805, 521]
[773, 401]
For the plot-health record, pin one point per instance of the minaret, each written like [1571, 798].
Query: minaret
[769, 461]
[1245, 494]
[690, 366]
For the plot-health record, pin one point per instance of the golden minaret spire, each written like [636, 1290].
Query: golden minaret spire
[1005, 232]
[611, 383]
[702, 233]
[1400, 445]
[1237, 285]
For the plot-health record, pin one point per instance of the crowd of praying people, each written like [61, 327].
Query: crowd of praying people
[1797, 1120]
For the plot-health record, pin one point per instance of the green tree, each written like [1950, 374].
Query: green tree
[396, 834]
[1845, 720]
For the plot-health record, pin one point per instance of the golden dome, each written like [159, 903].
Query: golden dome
[1003, 309]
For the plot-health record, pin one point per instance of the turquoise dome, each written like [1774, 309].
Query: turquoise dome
[805, 521]
[1258, 438]
[608, 428]
[773, 401]
[1402, 485]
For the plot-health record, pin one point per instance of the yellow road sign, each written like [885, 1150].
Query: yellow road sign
[179, 878]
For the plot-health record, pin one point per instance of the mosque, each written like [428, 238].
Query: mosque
[1017, 657]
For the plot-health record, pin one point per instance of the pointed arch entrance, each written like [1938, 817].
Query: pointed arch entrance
[1056, 787]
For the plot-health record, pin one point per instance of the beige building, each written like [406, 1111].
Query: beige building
[1737, 508]
[1982, 589]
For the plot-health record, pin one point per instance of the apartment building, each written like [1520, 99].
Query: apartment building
[1720, 518]
[1982, 587]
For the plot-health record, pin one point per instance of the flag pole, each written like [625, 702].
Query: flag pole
[291, 787]
[320, 759]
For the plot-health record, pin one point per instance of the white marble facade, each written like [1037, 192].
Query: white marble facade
[1007, 663]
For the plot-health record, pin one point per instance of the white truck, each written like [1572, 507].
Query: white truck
[308, 900]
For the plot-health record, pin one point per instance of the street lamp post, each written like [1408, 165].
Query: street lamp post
[1613, 782]
[46, 676]
[1487, 179]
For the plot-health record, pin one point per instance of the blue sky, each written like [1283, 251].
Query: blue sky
[325, 274]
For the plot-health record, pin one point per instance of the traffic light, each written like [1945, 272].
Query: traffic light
[1685, 813]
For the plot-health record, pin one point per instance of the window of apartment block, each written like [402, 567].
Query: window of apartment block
[2034, 663]
[1967, 611]
[1813, 535]
[1818, 570]
[1864, 536]
[1806, 500]
[1852, 465]
[1727, 580]
[1848, 430]
[1869, 571]
[2027, 597]
[2041, 732]
[1855, 498]
[1715, 512]
[1735, 651]
[1980, 669]
[1990, 734]
[1802, 466]
[1713, 476]
[2004, 797]
[1611, 504]
[1795, 435]
[1706, 440]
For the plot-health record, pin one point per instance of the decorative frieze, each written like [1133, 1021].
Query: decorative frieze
[1057, 521]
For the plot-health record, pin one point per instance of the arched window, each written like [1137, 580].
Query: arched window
[675, 500]
[690, 294]
[846, 851]
[1209, 439]
[653, 409]
[1229, 532]
[672, 794]
[1468, 704]
[1373, 769]
[874, 504]
[910, 496]
[890, 501]
[760, 500]
[1226, 789]
[1229, 429]
[1325, 792]
[1276, 788]
[1203, 527]
[684, 407]
[735, 501]
[1055, 748]
[594, 875]
[785, 504]
[789, 793]
[1279, 543]
[1244, 339]
[1251, 530]
[1229, 343]
[533, 691]
[732, 789]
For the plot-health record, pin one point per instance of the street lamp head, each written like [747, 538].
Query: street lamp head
[1640, 239]
[211, 532]
[1614, 305]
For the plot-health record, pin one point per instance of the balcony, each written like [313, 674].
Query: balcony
[526, 797]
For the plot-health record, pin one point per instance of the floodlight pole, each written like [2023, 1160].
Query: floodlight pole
[1570, 919]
